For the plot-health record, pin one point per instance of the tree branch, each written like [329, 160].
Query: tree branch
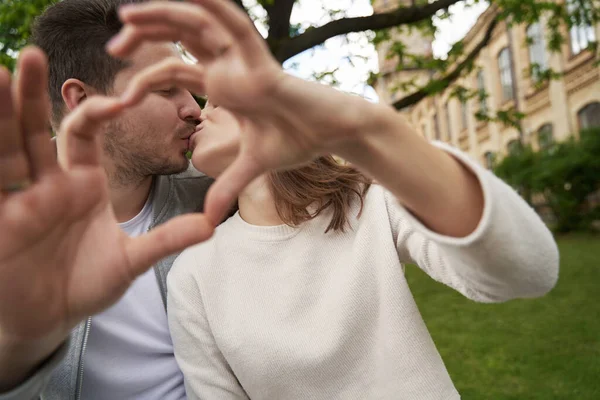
[453, 75]
[279, 14]
[400, 16]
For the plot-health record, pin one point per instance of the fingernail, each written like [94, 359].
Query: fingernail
[126, 8]
[114, 43]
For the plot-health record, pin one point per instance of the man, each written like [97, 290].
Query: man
[63, 253]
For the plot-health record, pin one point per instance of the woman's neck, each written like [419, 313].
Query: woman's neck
[256, 204]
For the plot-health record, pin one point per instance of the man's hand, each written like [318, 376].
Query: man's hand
[62, 255]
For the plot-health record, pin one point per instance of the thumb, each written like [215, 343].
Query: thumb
[174, 236]
[229, 185]
[81, 141]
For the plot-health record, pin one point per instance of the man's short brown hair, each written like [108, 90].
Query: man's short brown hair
[73, 34]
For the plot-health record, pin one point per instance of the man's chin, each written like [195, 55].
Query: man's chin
[176, 166]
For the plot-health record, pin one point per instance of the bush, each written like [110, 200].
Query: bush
[566, 174]
[518, 170]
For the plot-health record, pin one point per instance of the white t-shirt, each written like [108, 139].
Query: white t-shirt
[129, 353]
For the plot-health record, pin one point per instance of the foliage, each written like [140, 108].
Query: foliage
[566, 174]
[16, 19]
[518, 168]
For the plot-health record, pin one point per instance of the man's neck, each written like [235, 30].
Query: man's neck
[128, 200]
[257, 206]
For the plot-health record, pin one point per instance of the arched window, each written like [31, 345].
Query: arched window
[436, 127]
[545, 136]
[464, 120]
[506, 75]
[589, 116]
[448, 120]
[537, 49]
[514, 146]
[482, 92]
[490, 157]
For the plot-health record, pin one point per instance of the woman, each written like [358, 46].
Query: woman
[309, 300]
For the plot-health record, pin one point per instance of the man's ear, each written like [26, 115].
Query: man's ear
[74, 92]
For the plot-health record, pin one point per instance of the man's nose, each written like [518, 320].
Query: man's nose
[194, 121]
[189, 109]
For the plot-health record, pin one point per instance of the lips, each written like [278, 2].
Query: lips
[192, 137]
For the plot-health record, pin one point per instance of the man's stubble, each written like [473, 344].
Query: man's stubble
[136, 157]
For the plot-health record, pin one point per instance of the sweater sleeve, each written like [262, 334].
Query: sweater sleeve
[511, 254]
[207, 374]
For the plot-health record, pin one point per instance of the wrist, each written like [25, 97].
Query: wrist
[328, 119]
[377, 129]
[19, 359]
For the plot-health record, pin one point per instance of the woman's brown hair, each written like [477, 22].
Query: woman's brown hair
[324, 183]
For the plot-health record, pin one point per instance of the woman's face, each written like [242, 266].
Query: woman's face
[216, 143]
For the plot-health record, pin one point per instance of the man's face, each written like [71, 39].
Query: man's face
[151, 138]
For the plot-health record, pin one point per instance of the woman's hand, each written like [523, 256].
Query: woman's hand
[285, 121]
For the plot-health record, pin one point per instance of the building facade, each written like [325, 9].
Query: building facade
[554, 110]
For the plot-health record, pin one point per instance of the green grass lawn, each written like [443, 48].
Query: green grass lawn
[543, 349]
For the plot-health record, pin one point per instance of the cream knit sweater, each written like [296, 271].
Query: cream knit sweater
[285, 313]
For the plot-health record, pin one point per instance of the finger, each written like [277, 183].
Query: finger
[229, 185]
[81, 130]
[170, 72]
[239, 25]
[131, 37]
[174, 236]
[14, 167]
[33, 109]
[187, 18]
[193, 25]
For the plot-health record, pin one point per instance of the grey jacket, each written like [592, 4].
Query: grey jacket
[61, 376]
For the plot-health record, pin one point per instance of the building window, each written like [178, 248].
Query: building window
[581, 33]
[464, 115]
[448, 120]
[537, 50]
[513, 147]
[545, 136]
[589, 116]
[506, 75]
[482, 92]
[436, 127]
[489, 159]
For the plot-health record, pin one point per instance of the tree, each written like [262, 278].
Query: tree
[565, 175]
[16, 18]
[287, 40]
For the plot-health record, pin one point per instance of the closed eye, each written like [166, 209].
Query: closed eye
[166, 92]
